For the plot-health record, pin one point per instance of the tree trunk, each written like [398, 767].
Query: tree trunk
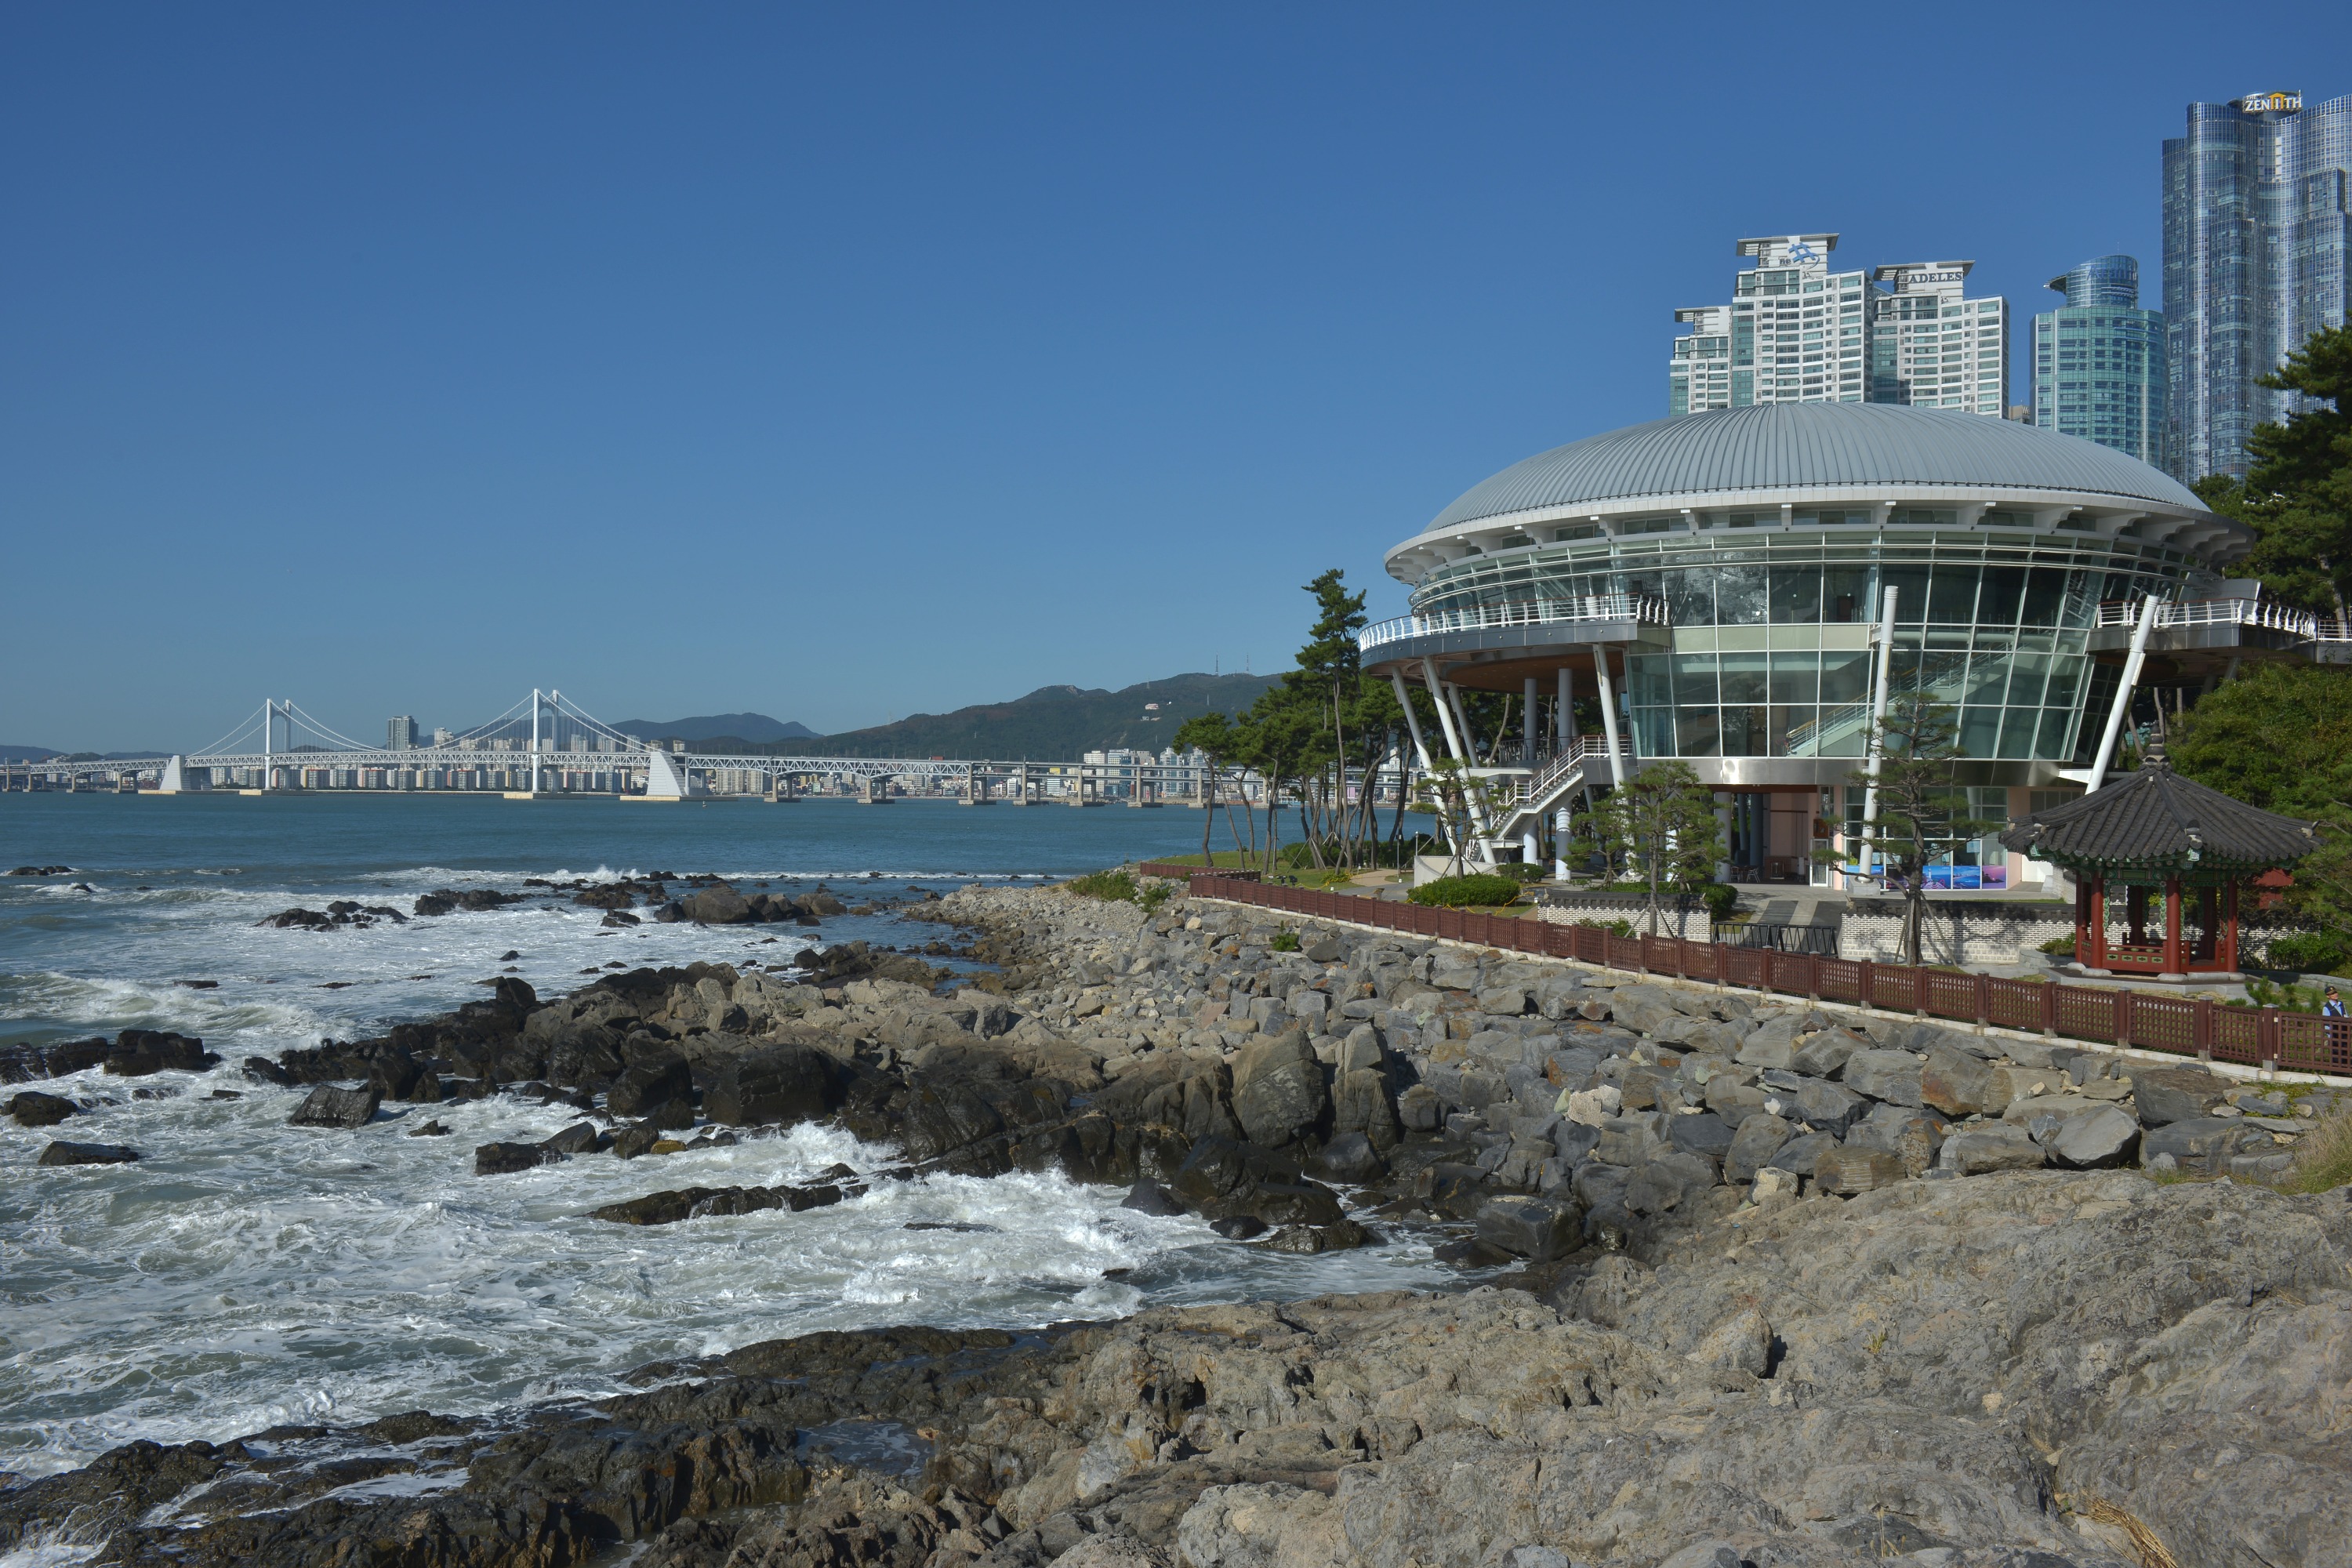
[1914, 908]
[1209, 815]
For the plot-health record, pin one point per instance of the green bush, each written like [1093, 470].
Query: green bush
[1153, 896]
[2312, 953]
[2061, 946]
[1459, 892]
[1523, 873]
[1614, 928]
[1284, 940]
[1720, 899]
[1112, 887]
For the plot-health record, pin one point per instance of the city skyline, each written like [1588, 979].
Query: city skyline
[394, 363]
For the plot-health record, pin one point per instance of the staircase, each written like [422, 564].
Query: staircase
[1585, 760]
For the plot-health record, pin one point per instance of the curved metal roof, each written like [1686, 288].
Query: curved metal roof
[1790, 446]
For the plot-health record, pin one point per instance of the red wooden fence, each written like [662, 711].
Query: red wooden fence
[2180, 1026]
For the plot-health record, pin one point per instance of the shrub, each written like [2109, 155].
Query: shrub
[1720, 899]
[1153, 896]
[1284, 940]
[2309, 952]
[1460, 893]
[1523, 873]
[2058, 946]
[1113, 887]
[2323, 1156]
[1614, 928]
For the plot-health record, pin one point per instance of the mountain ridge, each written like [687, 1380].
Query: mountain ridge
[1051, 723]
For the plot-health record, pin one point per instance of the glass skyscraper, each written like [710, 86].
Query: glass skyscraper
[2257, 237]
[2098, 362]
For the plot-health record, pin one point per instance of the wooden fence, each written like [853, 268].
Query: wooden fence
[2270, 1038]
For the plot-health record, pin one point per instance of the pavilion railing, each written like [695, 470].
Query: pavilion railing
[2268, 1038]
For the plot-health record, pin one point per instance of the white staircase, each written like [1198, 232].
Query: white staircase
[1584, 760]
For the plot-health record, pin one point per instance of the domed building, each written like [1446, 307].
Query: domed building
[1715, 580]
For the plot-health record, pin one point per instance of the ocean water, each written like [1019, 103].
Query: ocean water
[246, 1273]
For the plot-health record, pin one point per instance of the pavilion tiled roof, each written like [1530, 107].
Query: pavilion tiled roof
[2154, 819]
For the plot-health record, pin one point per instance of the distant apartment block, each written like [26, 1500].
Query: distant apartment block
[2099, 361]
[399, 733]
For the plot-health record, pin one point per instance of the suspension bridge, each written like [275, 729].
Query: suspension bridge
[546, 747]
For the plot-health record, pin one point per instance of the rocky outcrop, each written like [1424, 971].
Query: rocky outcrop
[62, 1153]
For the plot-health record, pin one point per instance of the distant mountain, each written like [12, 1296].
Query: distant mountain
[45, 754]
[756, 727]
[1053, 723]
[28, 754]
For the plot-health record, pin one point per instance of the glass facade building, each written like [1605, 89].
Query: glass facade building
[2257, 257]
[2098, 362]
[1726, 570]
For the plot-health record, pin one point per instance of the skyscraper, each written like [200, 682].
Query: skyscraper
[1797, 333]
[399, 733]
[2257, 257]
[2098, 362]
[1932, 346]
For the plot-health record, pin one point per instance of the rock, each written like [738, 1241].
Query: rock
[1978, 1150]
[1505, 1001]
[637, 1139]
[649, 1084]
[1774, 1186]
[717, 905]
[65, 1154]
[1825, 1055]
[1741, 1342]
[2199, 1143]
[1703, 1134]
[1802, 1153]
[1455, 1191]
[1857, 1169]
[780, 1084]
[1957, 1083]
[429, 1130]
[2101, 1136]
[137, 1053]
[1753, 1144]
[1338, 1236]
[2166, 1095]
[1348, 1158]
[34, 1109]
[1770, 1044]
[1361, 1104]
[1328, 950]
[1704, 1554]
[1278, 1091]
[1890, 1076]
[579, 1138]
[1827, 1106]
[505, 1159]
[1148, 1197]
[328, 1106]
[1666, 1183]
[1419, 1109]
[704, 1203]
[1540, 1229]
[1593, 1107]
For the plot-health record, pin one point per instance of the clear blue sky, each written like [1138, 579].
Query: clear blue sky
[838, 363]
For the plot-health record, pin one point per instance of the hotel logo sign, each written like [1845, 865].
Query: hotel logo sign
[2269, 103]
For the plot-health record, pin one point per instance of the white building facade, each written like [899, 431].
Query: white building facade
[1797, 332]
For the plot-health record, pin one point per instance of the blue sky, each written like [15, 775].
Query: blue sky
[841, 362]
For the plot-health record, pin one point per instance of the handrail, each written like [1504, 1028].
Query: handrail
[1646, 609]
[2267, 614]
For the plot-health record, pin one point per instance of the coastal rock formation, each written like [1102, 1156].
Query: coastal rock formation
[62, 1153]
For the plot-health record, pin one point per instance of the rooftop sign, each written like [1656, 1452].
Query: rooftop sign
[2269, 103]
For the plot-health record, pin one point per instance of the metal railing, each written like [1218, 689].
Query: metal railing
[1643, 608]
[2268, 615]
[1569, 759]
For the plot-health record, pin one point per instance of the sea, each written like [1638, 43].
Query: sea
[245, 1274]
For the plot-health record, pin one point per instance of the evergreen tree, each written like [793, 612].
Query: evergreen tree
[1660, 823]
[1922, 810]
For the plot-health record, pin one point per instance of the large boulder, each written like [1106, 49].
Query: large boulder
[62, 1153]
[34, 1109]
[1960, 1083]
[1826, 1107]
[649, 1084]
[1772, 1044]
[329, 1106]
[1360, 1103]
[2166, 1095]
[1704, 1134]
[784, 1084]
[1668, 1182]
[1278, 1091]
[1538, 1229]
[1890, 1076]
[2202, 1142]
[1857, 1168]
[717, 905]
[2104, 1136]
[1803, 1153]
[1757, 1138]
[137, 1053]
[505, 1159]
[1994, 1146]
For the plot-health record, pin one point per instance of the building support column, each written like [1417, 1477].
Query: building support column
[1878, 696]
[2122, 706]
[1617, 767]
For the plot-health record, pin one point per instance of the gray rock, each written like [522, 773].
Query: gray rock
[1757, 1139]
[1668, 1181]
[720, 905]
[1826, 1107]
[1703, 1134]
[1890, 1076]
[1957, 1082]
[579, 1138]
[1704, 1554]
[2202, 1142]
[2166, 1095]
[63, 1153]
[1979, 1151]
[1801, 1154]
[1733, 1100]
[1540, 1229]
[2099, 1137]
[1504, 1001]
[34, 1109]
[1278, 1090]
[1857, 1168]
[782, 1084]
[1825, 1055]
[1770, 1044]
[327, 1106]
[1350, 1158]
[649, 1084]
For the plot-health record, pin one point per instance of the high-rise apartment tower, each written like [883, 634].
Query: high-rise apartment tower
[2098, 362]
[399, 733]
[2257, 257]
[1797, 332]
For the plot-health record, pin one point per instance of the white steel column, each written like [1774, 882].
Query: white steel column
[1530, 850]
[1878, 696]
[1444, 711]
[2132, 663]
[534, 739]
[1608, 714]
[1411, 719]
[269, 739]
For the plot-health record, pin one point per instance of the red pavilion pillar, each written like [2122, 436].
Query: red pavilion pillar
[2228, 948]
[2173, 963]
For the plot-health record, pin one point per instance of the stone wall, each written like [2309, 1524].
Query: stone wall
[1685, 917]
[1969, 931]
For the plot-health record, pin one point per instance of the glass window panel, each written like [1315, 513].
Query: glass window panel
[1952, 597]
[2004, 587]
[2066, 689]
[1845, 675]
[2052, 747]
[2029, 673]
[1790, 726]
[1980, 731]
[2017, 730]
[1653, 731]
[1695, 682]
[1740, 595]
[1987, 678]
[1743, 678]
[1846, 595]
[1698, 733]
[1796, 676]
[1796, 595]
[1647, 677]
[1910, 585]
[1690, 598]
[1743, 732]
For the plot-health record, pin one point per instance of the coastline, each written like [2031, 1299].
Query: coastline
[1818, 1347]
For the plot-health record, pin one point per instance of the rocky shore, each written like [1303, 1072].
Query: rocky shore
[1744, 1281]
